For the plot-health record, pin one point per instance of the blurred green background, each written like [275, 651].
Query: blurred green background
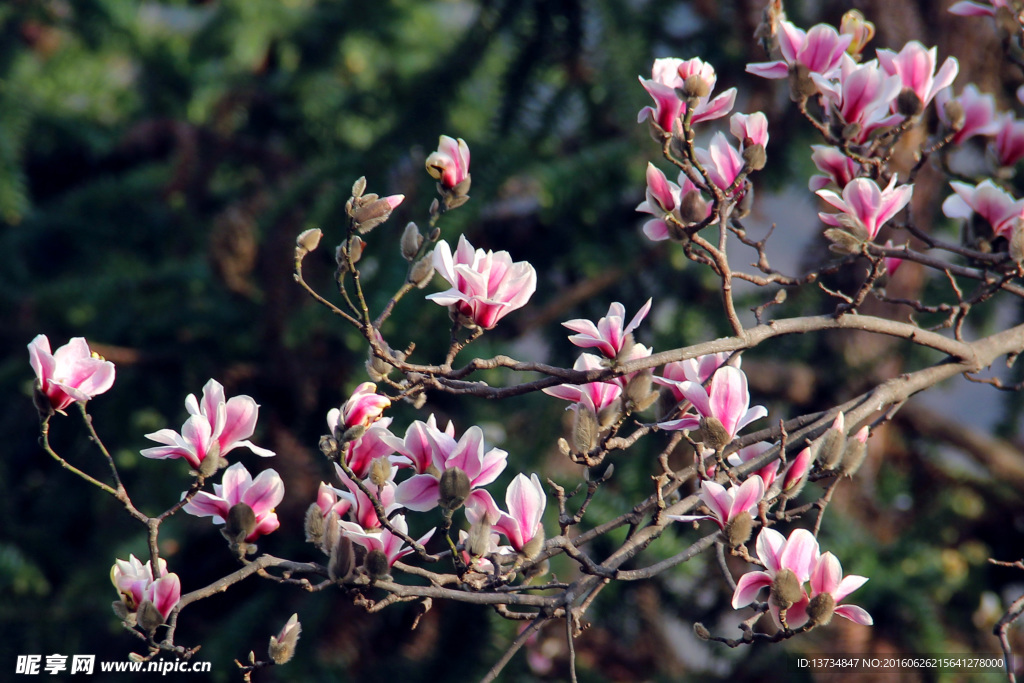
[157, 160]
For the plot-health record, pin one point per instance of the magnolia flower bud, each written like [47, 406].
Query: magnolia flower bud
[314, 524]
[754, 157]
[307, 241]
[149, 617]
[359, 187]
[701, 631]
[343, 560]
[786, 589]
[842, 241]
[423, 272]
[211, 463]
[820, 609]
[856, 452]
[610, 414]
[739, 528]
[695, 87]
[454, 488]
[282, 646]
[584, 428]
[800, 84]
[1016, 247]
[412, 240]
[380, 471]
[353, 433]
[908, 103]
[329, 446]
[240, 523]
[713, 433]
[955, 117]
[830, 449]
[370, 215]
[376, 564]
[563, 446]
[693, 208]
[478, 543]
[533, 547]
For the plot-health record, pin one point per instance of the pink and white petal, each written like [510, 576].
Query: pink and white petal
[686, 422]
[235, 482]
[240, 415]
[847, 586]
[747, 588]
[265, 493]
[40, 358]
[718, 500]
[826, 575]
[747, 496]
[165, 593]
[419, 492]
[801, 553]
[769, 69]
[480, 505]
[494, 463]
[510, 528]
[568, 392]
[728, 399]
[656, 230]
[769, 547]
[205, 504]
[266, 524]
[856, 614]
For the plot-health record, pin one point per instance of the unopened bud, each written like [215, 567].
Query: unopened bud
[856, 452]
[800, 84]
[610, 414]
[908, 103]
[786, 589]
[120, 610]
[563, 446]
[435, 234]
[830, 449]
[533, 547]
[240, 523]
[820, 609]
[423, 272]
[755, 157]
[372, 214]
[478, 543]
[842, 241]
[453, 489]
[1016, 247]
[713, 433]
[380, 471]
[695, 87]
[282, 646]
[343, 560]
[739, 528]
[955, 117]
[307, 241]
[149, 617]
[701, 631]
[329, 446]
[359, 187]
[693, 208]
[353, 433]
[314, 524]
[412, 240]
[376, 564]
[343, 255]
[584, 428]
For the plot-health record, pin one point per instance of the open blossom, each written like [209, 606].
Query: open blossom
[799, 554]
[521, 525]
[726, 399]
[698, 370]
[215, 426]
[449, 165]
[827, 577]
[609, 335]
[664, 199]
[136, 584]
[375, 443]
[262, 495]
[837, 167]
[384, 540]
[361, 509]
[416, 450]
[670, 73]
[862, 94]
[866, 208]
[600, 394]
[726, 504]
[423, 492]
[485, 285]
[363, 408]
[721, 160]
[915, 65]
[71, 373]
[989, 201]
[749, 127]
[979, 112]
[766, 473]
[819, 49]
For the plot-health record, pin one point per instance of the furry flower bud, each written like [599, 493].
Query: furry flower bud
[786, 589]
[739, 528]
[376, 564]
[314, 524]
[307, 241]
[412, 240]
[821, 608]
[282, 646]
[713, 433]
[240, 523]
[454, 488]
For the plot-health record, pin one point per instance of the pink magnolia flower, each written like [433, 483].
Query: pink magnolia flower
[892, 263]
[827, 577]
[215, 425]
[362, 510]
[979, 111]
[262, 495]
[862, 94]
[526, 501]
[722, 161]
[865, 208]
[71, 373]
[669, 74]
[485, 286]
[749, 127]
[860, 29]
[837, 167]
[608, 336]
[384, 540]
[363, 408]
[915, 65]
[819, 49]
[966, 8]
[416, 450]
[600, 394]
[989, 201]
[1008, 147]
[799, 554]
[422, 492]
[330, 499]
[663, 201]
[726, 399]
[698, 370]
[136, 584]
[726, 504]
[766, 473]
[449, 165]
[375, 443]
